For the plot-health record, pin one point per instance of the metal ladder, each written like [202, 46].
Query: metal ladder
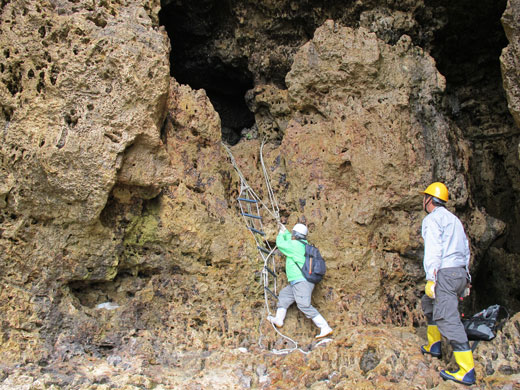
[250, 205]
[250, 210]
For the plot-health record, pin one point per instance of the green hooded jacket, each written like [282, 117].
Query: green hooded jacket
[294, 251]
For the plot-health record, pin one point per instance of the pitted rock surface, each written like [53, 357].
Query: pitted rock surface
[125, 262]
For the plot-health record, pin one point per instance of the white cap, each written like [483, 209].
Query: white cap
[300, 228]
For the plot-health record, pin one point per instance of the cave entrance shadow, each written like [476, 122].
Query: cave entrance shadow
[191, 29]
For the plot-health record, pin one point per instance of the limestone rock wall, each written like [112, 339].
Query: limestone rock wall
[122, 250]
[353, 97]
[243, 43]
[510, 74]
[509, 56]
[105, 190]
[81, 85]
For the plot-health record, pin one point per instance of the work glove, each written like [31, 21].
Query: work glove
[467, 291]
[429, 289]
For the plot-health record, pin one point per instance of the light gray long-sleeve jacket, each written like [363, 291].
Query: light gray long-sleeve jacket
[445, 242]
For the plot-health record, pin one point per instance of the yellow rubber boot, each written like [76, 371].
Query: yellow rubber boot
[466, 372]
[434, 342]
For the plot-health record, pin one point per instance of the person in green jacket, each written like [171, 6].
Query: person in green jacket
[299, 289]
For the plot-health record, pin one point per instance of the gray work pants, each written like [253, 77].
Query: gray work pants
[443, 311]
[300, 293]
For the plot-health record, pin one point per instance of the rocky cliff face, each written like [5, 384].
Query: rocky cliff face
[125, 262]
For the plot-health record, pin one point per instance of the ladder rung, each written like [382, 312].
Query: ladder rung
[265, 250]
[270, 292]
[270, 271]
[248, 200]
[256, 231]
[251, 216]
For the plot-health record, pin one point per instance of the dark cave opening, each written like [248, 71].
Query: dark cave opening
[190, 25]
[467, 52]
[468, 47]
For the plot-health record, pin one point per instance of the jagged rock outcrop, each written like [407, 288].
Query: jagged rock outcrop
[124, 260]
[242, 44]
[230, 48]
[81, 85]
[510, 73]
[509, 58]
[353, 97]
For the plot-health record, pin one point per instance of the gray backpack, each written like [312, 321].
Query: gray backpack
[483, 325]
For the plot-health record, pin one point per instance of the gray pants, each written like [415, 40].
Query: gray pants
[300, 293]
[443, 311]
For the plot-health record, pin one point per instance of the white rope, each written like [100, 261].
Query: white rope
[244, 182]
[277, 351]
[250, 194]
[270, 192]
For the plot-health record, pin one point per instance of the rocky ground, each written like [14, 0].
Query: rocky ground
[382, 357]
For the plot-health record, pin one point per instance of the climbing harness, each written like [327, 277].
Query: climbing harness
[250, 206]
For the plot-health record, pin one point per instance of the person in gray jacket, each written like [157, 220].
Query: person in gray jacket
[446, 263]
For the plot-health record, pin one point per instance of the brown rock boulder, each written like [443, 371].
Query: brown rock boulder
[83, 89]
[124, 259]
[509, 58]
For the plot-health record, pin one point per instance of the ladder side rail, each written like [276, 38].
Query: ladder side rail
[274, 213]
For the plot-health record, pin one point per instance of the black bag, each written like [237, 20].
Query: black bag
[483, 325]
[314, 267]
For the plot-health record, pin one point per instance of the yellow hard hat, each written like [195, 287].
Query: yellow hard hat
[437, 190]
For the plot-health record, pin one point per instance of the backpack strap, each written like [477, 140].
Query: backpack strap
[300, 268]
